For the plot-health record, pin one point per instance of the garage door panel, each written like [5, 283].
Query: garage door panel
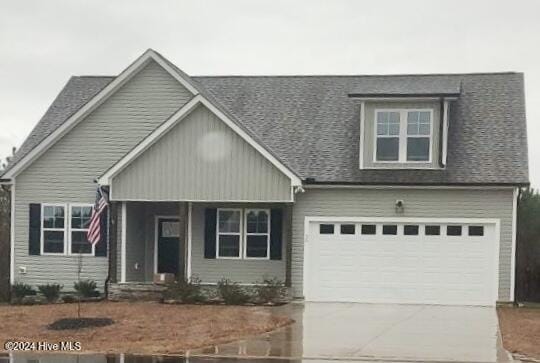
[404, 269]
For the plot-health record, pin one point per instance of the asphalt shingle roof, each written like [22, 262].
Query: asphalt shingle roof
[312, 124]
[408, 86]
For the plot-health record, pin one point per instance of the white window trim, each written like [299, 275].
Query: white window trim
[267, 234]
[402, 137]
[43, 229]
[71, 229]
[239, 234]
[67, 230]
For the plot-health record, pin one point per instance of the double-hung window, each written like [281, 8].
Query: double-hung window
[229, 233]
[403, 135]
[64, 229]
[257, 233]
[388, 126]
[243, 233]
[53, 229]
[80, 222]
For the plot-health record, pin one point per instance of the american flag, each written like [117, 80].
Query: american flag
[94, 231]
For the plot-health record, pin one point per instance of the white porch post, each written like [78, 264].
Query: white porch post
[123, 245]
[189, 232]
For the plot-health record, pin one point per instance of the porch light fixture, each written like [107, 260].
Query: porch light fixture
[400, 207]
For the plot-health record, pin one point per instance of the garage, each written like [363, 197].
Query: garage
[420, 261]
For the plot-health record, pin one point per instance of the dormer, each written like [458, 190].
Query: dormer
[404, 121]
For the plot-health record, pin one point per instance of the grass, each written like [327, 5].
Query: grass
[520, 329]
[140, 327]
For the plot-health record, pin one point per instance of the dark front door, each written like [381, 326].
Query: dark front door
[168, 245]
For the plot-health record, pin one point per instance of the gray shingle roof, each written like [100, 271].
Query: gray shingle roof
[312, 124]
[406, 85]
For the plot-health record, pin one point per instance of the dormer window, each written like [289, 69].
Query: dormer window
[403, 135]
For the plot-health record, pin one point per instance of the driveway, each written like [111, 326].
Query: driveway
[379, 332]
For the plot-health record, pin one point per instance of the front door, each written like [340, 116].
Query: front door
[168, 245]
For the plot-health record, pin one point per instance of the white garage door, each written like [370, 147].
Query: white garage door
[401, 262]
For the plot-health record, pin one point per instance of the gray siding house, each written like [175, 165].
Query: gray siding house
[398, 189]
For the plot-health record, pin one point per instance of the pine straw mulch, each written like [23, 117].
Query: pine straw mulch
[520, 329]
[140, 327]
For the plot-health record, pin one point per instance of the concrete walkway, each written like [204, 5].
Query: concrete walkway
[346, 331]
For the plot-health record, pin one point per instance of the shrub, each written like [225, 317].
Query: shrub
[19, 291]
[68, 299]
[232, 293]
[86, 288]
[185, 291]
[270, 290]
[50, 291]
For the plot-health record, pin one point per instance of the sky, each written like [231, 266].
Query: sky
[43, 43]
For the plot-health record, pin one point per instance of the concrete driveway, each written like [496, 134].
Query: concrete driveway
[377, 332]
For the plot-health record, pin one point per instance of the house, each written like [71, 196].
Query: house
[399, 189]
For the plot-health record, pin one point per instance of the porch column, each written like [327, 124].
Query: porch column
[189, 242]
[123, 244]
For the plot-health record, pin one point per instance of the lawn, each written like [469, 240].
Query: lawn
[140, 327]
[520, 329]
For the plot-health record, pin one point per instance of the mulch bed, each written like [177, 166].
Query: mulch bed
[520, 329]
[79, 323]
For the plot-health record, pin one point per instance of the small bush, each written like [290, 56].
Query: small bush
[231, 293]
[19, 291]
[68, 299]
[86, 288]
[50, 291]
[188, 292]
[270, 290]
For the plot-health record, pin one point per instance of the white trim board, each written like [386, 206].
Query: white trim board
[367, 186]
[97, 100]
[180, 115]
[123, 244]
[12, 237]
[514, 239]
[189, 240]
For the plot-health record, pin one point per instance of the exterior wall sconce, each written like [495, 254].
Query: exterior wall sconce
[400, 206]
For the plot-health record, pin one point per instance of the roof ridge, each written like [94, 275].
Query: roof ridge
[355, 75]
[94, 76]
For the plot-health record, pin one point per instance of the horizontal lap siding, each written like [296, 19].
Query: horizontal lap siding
[435, 203]
[201, 159]
[242, 271]
[66, 172]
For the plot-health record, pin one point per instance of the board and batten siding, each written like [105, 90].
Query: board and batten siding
[201, 159]
[427, 203]
[66, 172]
[238, 270]
[369, 133]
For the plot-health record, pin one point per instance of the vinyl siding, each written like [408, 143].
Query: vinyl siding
[201, 159]
[66, 172]
[241, 271]
[369, 133]
[434, 203]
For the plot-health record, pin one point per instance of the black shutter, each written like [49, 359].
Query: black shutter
[101, 246]
[276, 233]
[210, 218]
[34, 232]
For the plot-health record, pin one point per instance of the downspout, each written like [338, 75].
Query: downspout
[108, 279]
[441, 116]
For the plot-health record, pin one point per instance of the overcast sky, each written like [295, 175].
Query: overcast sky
[43, 43]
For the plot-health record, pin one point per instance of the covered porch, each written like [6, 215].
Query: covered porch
[242, 242]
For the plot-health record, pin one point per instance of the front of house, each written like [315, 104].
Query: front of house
[398, 189]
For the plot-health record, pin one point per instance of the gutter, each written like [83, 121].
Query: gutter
[312, 181]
